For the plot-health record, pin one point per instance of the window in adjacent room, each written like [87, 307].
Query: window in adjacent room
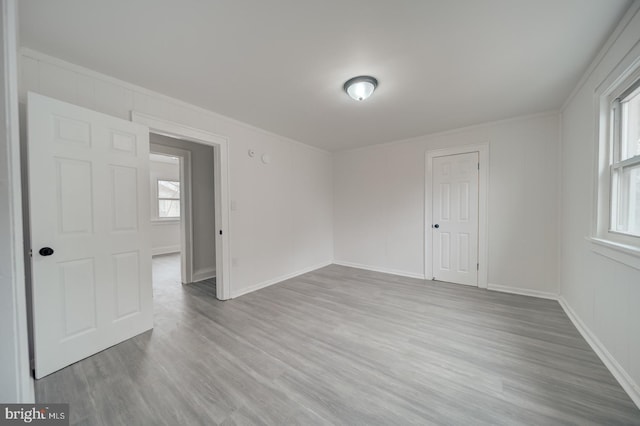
[168, 199]
[625, 162]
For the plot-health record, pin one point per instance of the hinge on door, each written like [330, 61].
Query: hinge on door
[30, 253]
[477, 266]
[478, 166]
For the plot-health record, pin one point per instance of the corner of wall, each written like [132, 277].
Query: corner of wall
[627, 383]
[560, 209]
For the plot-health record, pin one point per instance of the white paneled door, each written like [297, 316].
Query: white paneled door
[89, 221]
[455, 218]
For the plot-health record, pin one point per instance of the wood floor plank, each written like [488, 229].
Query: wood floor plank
[344, 346]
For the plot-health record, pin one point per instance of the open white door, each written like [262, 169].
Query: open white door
[455, 218]
[89, 218]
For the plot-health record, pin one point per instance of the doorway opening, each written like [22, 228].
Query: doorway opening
[170, 211]
[182, 176]
[204, 205]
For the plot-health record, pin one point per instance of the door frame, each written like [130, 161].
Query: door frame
[186, 218]
[14, 321]
[220, 146]
[483, 211]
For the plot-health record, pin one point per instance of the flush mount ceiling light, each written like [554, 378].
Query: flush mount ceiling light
[360, 88]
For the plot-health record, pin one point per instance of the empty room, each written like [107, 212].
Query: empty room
[320, 213]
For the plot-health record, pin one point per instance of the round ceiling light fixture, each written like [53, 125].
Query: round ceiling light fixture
[360, 88]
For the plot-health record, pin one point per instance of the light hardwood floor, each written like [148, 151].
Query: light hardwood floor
[344, 346]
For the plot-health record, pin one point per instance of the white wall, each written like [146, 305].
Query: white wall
[165, 234]
[379, 202]
[282, 222]
[603, 294]
[16, 384]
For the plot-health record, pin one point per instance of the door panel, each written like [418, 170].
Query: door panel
[78, 287]
[124, 193]
[455, 218]
[75, 196]
[89, 202]
[127, 271]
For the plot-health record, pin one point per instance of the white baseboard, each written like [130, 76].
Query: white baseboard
[627, 383]
[204, 274]
[377, 269]
[273, 281]
[155, 251]
[522, 291]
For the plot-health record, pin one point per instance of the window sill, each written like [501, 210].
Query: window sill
[623, 253]
[165, 221]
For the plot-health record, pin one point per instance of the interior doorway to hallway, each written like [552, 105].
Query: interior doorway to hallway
[218, 220]
[183, 204]
[168, 210]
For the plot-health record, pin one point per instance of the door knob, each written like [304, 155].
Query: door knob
[46, 251]
[436, 226]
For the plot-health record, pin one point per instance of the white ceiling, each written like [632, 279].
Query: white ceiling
[280, 64]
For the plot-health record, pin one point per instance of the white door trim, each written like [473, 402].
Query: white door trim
[186, 212]
[483, 217]
[221, 162]
[20, 385]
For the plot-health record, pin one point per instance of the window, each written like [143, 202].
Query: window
[625, 162]
[616, 223]
[168, 199]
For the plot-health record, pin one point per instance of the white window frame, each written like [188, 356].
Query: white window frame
[618, 165]
[622, 247]
[158, 199]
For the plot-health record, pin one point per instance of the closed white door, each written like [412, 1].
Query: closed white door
[90, 242]
[455, 218]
